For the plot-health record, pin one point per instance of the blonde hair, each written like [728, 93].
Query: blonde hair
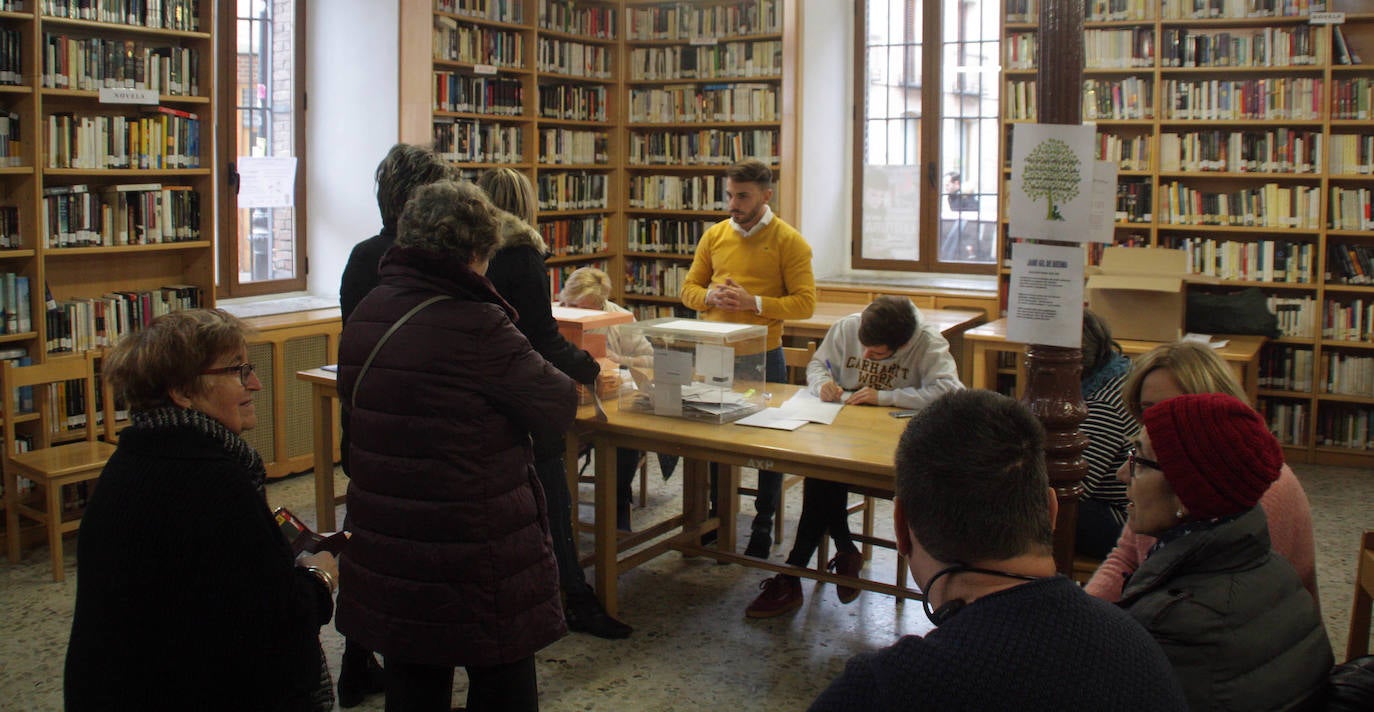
[583, 282]
[1196, 367]
[510, 191]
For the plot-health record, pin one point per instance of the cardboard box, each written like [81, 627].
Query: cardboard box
[576, 326]
[1139, 292]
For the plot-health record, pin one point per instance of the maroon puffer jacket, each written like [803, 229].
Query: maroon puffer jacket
[450, 561]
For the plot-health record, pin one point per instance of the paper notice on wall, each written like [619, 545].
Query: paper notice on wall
[1052, 167]
[1045, 304]
[716, 364]
[1102, 219]
[266, 181]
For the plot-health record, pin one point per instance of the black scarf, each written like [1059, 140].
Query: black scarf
[171, 417]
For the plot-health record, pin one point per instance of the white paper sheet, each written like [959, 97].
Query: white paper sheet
[811, 408]
[704, 327]
[266, 181]
[716, 364]
[672, 367]
[1051, 181]
[775, 418]
[1046, 295]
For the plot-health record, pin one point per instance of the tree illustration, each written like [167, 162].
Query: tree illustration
[1051, 172]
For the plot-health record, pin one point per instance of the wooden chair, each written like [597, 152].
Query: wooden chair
[50, 466]
[1358, 642]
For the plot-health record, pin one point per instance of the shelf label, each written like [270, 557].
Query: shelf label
[484, 69]
[1327, 18]
[113, 95]
[703, 41]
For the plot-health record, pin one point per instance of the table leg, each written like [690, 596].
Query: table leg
[979, 372]
[324, 459]
[607, 546]
[727, 506]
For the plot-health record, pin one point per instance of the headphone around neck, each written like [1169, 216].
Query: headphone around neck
[947, 610]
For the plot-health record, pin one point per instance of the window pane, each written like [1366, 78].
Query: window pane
[968, 133]
[266, 240]
[892, 132]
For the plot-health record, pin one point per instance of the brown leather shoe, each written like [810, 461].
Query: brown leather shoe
[781, 594]
[846, 563]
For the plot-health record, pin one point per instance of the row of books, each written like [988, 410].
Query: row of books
[163, 138]
[1274, 151]
[1297, 45]
[1020, 50]
[1269, 98]
[1351, 208]
[677, 192]
[1029, 10]
[10, 237]
[661, 278]
[477, 45]
[1095, 249]
[707, 147]
[162, 14]
[1286, 368]
[1106, 10]
[572, 190]
[684, 21]
[1297, 315]
[711, 102]
[1202, 9]
[659, 235]
[563, 16]
[472, 141]
[1345, 374]
[11, 53]
[1117, 99]
[1287, 420]
[1342, 52]
[575, 59]
[1347, 427]
[1352, 98]
[558, 274]
[573, 146]
[1272, 205]
[1351, 320]
[1018, 101]
[512, 11]
[19, 356]
[574, 102]
[1119, 49]
[726, 60]
[94, 63]
[130, 214]
[11, 152]
[1133, 201]
[1349, 263]
[1352, 154]
[16, 306]
[85, 323]
[454, 91]
[575, 236]
[1129, 153]
[1252, 261]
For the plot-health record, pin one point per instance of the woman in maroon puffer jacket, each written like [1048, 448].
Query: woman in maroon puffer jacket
[450, 562]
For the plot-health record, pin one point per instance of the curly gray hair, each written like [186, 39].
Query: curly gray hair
[451, 218]
[405, 168]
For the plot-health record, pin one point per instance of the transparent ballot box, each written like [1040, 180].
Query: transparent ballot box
[703, 370]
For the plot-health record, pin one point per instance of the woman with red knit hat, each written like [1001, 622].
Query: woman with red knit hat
[1232, 616]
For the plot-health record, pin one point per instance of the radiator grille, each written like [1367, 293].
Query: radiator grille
[260, 437]
[301, 354]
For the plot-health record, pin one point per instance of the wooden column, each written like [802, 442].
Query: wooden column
[1054, 373]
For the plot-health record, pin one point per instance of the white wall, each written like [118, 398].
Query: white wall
[826, 133]
[350, 124]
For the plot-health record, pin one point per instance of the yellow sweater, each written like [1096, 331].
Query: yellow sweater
[774, 263]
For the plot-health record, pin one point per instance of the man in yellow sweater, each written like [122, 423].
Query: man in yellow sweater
[754, 269]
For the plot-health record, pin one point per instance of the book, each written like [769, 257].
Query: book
[305, 540]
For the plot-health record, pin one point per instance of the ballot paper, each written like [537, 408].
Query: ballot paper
[775, 418]
[811, 408]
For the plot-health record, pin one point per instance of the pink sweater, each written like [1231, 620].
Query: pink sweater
[1290, 533]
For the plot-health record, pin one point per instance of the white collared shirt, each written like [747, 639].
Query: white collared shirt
[761, 224]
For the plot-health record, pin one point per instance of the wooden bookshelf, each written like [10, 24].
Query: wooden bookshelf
[1301, 165]
[609, 75]
[76, 268]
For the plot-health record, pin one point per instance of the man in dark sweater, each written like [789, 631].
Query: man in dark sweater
[975, 522]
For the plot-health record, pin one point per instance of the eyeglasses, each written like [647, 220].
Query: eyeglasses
[1135, 459]
[244, 370]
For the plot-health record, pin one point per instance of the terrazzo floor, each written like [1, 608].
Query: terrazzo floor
[692, 647]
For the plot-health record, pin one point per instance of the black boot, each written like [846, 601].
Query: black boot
[586, 615]
[360, 675]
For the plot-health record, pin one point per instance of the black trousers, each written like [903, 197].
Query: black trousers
[553, 477]
[770, 483]
[823, 509]
[429, 688]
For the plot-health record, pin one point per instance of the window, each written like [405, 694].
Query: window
[926, 169]
[261, 114]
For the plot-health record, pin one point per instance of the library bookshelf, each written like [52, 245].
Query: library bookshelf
[623, 113]
[106, 187]
[1242, 134]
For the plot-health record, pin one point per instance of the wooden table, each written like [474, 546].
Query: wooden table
[1242, 353]
[857, 449]
[323, 393]
[949, 321]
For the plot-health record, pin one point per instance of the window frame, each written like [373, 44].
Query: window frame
[931, 176]
[227, 284]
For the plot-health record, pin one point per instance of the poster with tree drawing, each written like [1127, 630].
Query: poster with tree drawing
[1051, 182]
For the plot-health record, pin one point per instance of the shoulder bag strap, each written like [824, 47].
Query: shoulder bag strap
[404, 318]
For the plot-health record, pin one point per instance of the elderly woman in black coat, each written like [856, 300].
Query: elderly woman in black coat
[189, 596]
[450, 562]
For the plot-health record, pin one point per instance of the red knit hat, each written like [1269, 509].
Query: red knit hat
[1216, 452]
